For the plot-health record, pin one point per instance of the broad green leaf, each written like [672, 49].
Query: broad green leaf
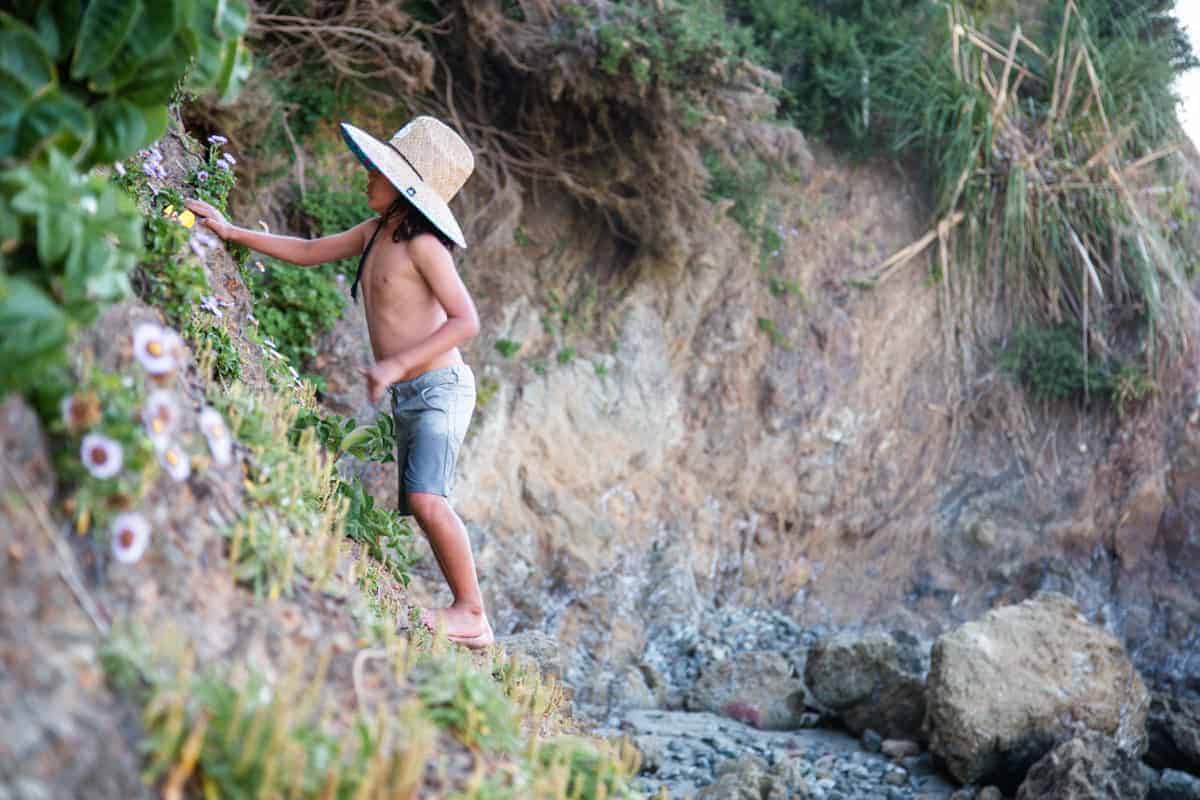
[156, 78]
[120, 130]
[151, 37]
[157, 120]
[33, 333]
[53, 118]
[23, 60]
[67, 16]
[105, 25]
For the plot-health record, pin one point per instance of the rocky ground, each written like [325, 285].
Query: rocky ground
[1030, 701]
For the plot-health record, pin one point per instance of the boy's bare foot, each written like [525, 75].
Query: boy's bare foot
[462, 626]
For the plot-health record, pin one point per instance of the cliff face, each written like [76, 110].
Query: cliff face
[750, 428]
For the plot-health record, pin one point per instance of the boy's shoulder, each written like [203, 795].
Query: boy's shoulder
[426, 248]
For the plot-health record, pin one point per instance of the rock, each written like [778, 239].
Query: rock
[1173, 730]
[747, 778]
[870, 680]
[965, 793]
[1175, 785]
[540, 648]
[871, 741]
[756, 687]
[989, 793]
[1088, 767]
[897, 749]
[1004, 689]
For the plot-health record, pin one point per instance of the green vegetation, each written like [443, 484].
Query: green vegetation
[668, 43]
[769, 327]
[168, 277]
[243, 738]
[1052, 365]
[458, 697]
[294, 306]
[330, 210]
[87, 84]
[207, 336]
[507, 347]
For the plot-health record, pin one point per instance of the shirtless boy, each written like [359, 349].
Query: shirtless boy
[418, 313]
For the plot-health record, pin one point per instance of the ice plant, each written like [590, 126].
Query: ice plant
[153, 346]
[213, 426]
[130, 536]
[160, 415]
[80, 411]
[218, 139]
[101, 455]
[175, 462]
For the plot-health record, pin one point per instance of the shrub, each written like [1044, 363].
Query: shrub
[294, 306]
[468, 702]
[85, 84]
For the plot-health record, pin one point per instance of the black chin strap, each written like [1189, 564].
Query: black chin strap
[370, 243]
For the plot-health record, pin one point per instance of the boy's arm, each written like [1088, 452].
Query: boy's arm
[304, 252]
[462, 321]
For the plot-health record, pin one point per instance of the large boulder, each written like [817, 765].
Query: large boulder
[1088, 767]
[872, 680]
[1173, 728]
[757, 687]
[1004, 689]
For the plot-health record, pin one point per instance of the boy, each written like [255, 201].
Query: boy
[418, 313]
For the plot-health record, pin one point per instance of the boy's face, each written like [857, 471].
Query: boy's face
[380, 192]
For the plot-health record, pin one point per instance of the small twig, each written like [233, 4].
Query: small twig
[66, 559]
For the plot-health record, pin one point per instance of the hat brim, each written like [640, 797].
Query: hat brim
[376, 155]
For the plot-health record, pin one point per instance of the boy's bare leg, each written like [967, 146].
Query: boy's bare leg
[464, 619]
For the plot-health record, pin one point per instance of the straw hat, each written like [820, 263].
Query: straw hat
[426, 161]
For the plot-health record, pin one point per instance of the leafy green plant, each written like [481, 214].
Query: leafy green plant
[507, 347]
[169, 277]
[208, 335]
[467, 702]
[339, 435]
[69, 243]
[248, 738]
[93, 79]
[293, 306]
[214, 178]
[388, 538]
[84, 83]
[592, 769]
[768, 326]
[565, 355]
[331, 210]
[1050, 363]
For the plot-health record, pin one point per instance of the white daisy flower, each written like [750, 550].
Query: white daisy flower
[175, 462]
[130, 536]
[153, 346]
[160, 415]
[101, 455]
[213, 426]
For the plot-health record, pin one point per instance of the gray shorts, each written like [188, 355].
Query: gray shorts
[432, 412]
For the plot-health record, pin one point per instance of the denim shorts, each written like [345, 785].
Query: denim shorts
[432, 412]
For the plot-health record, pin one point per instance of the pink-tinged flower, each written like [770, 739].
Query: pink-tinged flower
[201, 175]
[120, 168]
[130, 537]
[153, 346]
[217, 138]
[160, 415]
[229, 157]
[198, 248]
[80, 411]
[101, 455]
[220, 442]
[175, 462]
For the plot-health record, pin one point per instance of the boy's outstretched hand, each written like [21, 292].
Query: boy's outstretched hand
[212, 218]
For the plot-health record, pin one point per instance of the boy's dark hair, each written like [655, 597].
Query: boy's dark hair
[413, 224]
